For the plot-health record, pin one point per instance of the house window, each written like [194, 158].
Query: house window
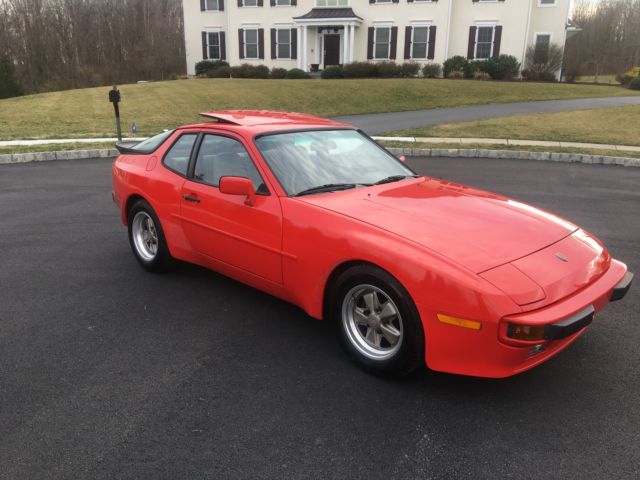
[484, 42]
[213, 45]
[211, 5]
[249, 3]
[543, 40]
[419, 42]
[332, 3]
[250, 43]
[382, 1]
[283, 42]
[547, 3]
[382, 42]
[283, 3]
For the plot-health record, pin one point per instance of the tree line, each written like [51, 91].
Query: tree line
[65, 44]
[609, 42]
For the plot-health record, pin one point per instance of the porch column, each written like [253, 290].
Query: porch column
[305, 48]
[352, 43]
[345, 44]
[299, 47]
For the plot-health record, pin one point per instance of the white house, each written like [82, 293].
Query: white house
[312, 34]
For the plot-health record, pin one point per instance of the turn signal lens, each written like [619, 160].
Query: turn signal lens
[526, 332]
[459, 322]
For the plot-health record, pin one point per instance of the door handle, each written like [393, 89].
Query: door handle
[191, 198]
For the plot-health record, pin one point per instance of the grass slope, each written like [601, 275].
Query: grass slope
[616, 126]
[86, 113]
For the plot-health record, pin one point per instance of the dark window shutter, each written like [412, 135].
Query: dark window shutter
[274, 45]
[221, 5]
[260, 3]
[395, 1]
[294, 3]
[239, 3]
[432, 43]
[261, 43]
[223, 46]
[272, 3]
[370, 43]
[202, 5]
[472, 43]
[205, 55]
[409, 1]
[497, 40]
[407, 42]
[294, 43]
[372, 1]
[241, 43]
[394, 43]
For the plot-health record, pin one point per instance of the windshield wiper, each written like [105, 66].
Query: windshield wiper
[329, 187]
[394, 178]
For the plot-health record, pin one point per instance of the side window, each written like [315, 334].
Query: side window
[177, 158]
[225, 157]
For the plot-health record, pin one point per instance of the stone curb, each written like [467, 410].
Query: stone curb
[517, 155]
[64, 155]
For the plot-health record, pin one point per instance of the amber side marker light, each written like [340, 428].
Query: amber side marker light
[530, 333]
[459, 322]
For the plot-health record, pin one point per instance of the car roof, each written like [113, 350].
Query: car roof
[262, 121]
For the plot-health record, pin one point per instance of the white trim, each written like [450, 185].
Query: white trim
[376, 27]
[427, 43]
[493, 40]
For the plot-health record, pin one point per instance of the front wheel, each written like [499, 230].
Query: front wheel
[146, 238]
[378, 324]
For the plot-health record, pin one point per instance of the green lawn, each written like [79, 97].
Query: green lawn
[616, 125]
[154, 106]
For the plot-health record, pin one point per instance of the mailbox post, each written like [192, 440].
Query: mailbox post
[114, 97]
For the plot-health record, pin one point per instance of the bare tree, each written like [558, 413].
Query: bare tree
[62, 44]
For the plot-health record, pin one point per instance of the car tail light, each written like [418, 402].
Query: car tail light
[527, 333]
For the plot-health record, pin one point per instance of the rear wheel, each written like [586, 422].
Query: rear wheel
[378, 323]
[146, 237]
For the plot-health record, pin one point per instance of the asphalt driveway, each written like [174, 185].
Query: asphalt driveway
[107, 371]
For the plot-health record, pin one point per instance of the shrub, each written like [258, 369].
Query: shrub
[431, 70]
[456, 74]
[409, 69]
[475, 66]
[360, 70]
[204, 66]
[8, 84]
[250, 71]
[296, 73]
[278, 72]
[635, 84]
[220, 72]
[388, 69]
[332, 72]
[503, 67]
[542, 64]
[479, 75]
[173, 76]
[457, 63]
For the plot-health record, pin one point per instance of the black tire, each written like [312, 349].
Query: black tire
[399, 359]
[159, 261]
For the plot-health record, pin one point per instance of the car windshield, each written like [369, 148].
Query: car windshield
[315, 161]
[151, 144]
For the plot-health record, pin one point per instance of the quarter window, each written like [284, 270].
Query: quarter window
[177, 158]
[484, 42]
[382, 42]
[225, 157]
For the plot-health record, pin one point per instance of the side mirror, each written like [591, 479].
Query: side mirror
[239, 186]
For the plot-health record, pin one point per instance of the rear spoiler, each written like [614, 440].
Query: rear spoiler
[127, 147]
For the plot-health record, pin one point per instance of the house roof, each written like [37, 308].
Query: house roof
[328, 13]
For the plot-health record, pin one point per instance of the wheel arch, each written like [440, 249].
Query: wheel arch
[131, 200]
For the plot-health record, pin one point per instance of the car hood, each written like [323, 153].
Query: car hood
[477, 229]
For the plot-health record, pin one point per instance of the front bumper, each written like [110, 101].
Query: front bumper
[489, 353]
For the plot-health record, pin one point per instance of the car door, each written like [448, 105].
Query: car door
[222, 226]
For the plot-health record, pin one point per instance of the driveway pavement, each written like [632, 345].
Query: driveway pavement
[377, 123]
[108, 372]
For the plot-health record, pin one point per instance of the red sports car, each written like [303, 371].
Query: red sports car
[411, 269]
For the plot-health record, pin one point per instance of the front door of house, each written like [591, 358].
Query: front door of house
[331, 50]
